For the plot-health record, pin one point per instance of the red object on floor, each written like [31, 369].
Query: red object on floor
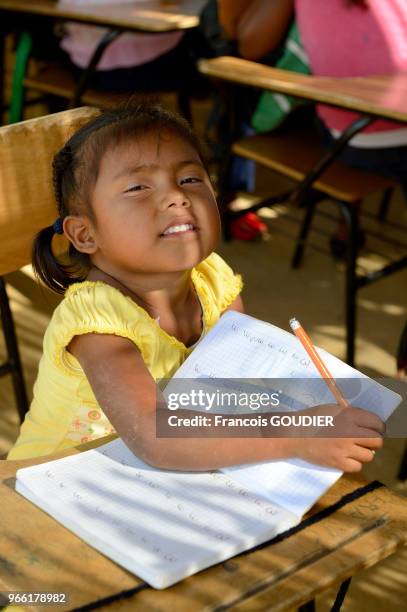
[247, 227]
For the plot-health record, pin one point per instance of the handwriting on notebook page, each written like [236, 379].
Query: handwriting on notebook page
[112, 492]
[242, 347]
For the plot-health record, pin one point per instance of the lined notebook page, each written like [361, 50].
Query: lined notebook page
[294, 484]
[160, 525]
[240, 346]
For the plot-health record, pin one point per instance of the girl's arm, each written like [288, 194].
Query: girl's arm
[229, 14]
[259, 27]
[128, 395]
[237, 305]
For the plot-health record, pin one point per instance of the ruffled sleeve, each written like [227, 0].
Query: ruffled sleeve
[217, 284]
[93, 307]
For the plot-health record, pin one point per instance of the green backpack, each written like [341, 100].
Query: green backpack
[273, 108]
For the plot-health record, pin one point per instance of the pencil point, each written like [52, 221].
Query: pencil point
[294, 323]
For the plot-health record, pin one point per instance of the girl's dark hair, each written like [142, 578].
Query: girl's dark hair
[75, 172]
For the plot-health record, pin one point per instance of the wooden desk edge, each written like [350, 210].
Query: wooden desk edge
[55, 11]
[17, 464]
[307, 87]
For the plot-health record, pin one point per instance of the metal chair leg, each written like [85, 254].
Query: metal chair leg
[343, 589]
[184, 105]
[302, 238]
[350, 213]
[17, 96]
[82, 84]
[13, 364]
[384, 204]
[307, 607]
[225, 195]
[402, 475]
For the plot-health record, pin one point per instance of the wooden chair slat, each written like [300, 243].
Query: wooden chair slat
[294, 152]
[57, 80]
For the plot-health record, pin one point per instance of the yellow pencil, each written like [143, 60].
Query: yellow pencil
[317, 361]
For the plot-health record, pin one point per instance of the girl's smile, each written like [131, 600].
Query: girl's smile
[180, 229]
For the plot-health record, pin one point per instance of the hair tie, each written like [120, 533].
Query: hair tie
[57, 227]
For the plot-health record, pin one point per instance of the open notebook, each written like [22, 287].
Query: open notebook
[240, 346]
[165, 526]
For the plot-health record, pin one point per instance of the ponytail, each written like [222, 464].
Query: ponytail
[52, 272]
[48, 268]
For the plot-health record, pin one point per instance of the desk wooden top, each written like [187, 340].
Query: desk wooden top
[148, 16]
[39, 554]
[381, 96]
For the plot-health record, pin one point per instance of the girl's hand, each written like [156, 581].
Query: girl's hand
[361, 434]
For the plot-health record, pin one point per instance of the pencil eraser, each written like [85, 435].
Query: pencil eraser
[294, 323]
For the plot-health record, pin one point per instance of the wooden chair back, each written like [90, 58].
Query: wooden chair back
[27, 201]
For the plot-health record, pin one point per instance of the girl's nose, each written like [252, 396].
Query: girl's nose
[176, 198]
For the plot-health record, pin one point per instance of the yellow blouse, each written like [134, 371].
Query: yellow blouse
[64, 411]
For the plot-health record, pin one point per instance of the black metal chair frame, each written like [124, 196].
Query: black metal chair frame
[306, 196]
[336, 607]
[12, 365]
[183, 99]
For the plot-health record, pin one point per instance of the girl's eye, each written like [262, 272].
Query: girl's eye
[135, 188]
[191, 179]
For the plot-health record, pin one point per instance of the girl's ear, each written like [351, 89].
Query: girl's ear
[79, 231]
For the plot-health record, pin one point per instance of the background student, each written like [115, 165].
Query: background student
[350, 38]
[255, 30]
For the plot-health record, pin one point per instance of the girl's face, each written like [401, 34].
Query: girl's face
[154, 206]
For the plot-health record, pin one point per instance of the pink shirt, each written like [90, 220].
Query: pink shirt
[128, 50]
[345, 41]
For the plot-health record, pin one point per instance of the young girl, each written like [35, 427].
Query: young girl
[142, 286]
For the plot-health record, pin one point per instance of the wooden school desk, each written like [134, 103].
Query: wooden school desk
[373, 97]
[153, 16]
[377, 96]
[353, 526]
[146, 16]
